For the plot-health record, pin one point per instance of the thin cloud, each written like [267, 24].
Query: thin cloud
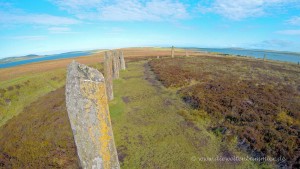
[130, 10]
[42, 19]
[294, 20]
[273, 43]
[30, 38]
[114, 31]
[241, 9]
[289, 32]
[60, 30]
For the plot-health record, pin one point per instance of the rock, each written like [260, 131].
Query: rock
[186, 53]
[8, 101]
[89, 116]
[172, 52]
[108, 73]
[122, 61]
[116, 65]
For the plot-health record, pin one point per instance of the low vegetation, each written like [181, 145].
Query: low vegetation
[40, 136]
[150, 123]
[255, 100]
[17, 93]
[152, 127]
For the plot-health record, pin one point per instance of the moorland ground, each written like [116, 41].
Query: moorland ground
[153, 127]
[258, 101]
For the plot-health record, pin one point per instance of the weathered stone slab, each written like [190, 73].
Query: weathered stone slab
[118, 59]
[116, 65]
[122, 61]
[172, 51]
[108, 73]
[186, 53]
[89, 116]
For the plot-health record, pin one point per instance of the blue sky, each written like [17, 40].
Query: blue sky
[53, 26]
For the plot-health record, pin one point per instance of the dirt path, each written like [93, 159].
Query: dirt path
[150, 77]
[150, 133]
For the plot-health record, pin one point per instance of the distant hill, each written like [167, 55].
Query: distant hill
[18, 58]
[31, 55]
[32, 58]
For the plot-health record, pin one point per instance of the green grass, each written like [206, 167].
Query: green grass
[20, 92]
[17, 93]
[40, 136]
[151, 132]
[152, 127]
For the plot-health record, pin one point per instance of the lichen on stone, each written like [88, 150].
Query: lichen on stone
[89, 116]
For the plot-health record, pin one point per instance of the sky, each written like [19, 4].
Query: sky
[54, 26]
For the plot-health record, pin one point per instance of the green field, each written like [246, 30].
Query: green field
[153, 126]
[18, 93]
[148, 125]
[150, 131]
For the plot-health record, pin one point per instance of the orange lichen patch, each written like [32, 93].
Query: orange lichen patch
[105, 125]
[88, 107]
[95, 92]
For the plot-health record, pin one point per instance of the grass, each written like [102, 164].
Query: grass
[21, 85]
[152, 127]
[151, 132]
[255, 100]
[19, 92]
[40, 136]
[29, 135]
[150, 123]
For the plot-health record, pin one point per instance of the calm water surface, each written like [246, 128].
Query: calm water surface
[46, 58]
[272, 55]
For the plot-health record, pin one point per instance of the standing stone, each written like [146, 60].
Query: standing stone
[186, 53]
[157, 57]
[119, 57]
[172, 52]
[265, 57]
[122, 61]
[88, 113]
[116, 64]
[108, 73]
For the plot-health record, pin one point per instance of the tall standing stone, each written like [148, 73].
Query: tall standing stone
[89, 116]
[186, 53]
[172, 52]
[122, 60]
[108, 73]
[116, 64]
